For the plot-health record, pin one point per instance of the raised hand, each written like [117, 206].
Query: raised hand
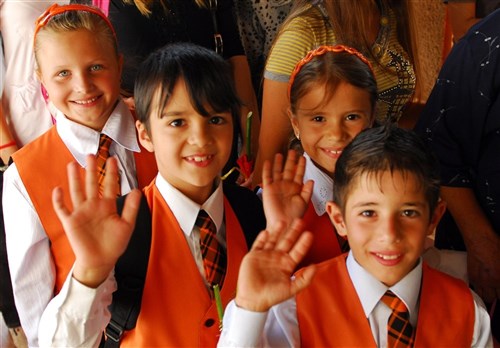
[285, 196]
[97, 234]
[265, 273]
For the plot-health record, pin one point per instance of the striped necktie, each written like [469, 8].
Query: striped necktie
[214, 255]
[400, 333]
[101, 157]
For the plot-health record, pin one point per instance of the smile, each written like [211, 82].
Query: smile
[388, 257]
[85, 102]
[199, 158]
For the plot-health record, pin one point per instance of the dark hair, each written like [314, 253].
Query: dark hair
[386, 148]
[208, 78]
[330, 69]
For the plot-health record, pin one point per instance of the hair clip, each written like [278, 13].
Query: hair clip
[55, 9]
[321, 50]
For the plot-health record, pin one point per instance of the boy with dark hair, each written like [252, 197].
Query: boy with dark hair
[386, 202]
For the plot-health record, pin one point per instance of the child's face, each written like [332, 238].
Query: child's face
[81, 74]
[190, 149]
[386, 222]
[325, 129]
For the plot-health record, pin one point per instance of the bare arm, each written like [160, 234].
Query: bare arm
[97, 234]
[483, 244]
[275, 125]
[462, 16]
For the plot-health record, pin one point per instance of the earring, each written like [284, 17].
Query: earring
[297, 136]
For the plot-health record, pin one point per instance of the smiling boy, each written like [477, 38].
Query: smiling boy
[386, 202]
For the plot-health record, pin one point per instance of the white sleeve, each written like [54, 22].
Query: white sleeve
[276, 328]
[482, 325]
[30, 260]
[78, 315]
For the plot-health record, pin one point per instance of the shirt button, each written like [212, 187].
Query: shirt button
[209, 322]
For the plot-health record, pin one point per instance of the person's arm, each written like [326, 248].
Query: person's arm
[482, 243]
[29, 258]
[275, 125]
[462, 16]
[481, 336]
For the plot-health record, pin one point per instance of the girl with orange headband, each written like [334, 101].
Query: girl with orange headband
[332, 93]
[79, 65]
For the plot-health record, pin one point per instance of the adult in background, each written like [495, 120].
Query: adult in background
[380, 29]
[461, 122]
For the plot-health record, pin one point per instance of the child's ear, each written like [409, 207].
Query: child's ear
[144, 137]
[436, 216]
[335, 214]
[295, 124]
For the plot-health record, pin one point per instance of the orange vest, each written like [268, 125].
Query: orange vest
[177, 309]
[325, 243]
[333, 316]
[42, 166]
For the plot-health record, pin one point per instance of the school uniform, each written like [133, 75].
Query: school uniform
[343, 307]
[38, 251]
[325, 243]
[177, 308]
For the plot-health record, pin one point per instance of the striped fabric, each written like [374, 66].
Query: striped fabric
[400, 333]
[101, 157]
[214, 255]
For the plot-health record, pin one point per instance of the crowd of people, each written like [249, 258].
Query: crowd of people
[241, 173]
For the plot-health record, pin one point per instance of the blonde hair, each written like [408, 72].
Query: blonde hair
[75, 20]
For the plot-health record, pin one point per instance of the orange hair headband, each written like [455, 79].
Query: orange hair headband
[56, 9]
[321, 50]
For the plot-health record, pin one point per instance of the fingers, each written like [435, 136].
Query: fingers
[296, 242]
[111, 181]
[277, 167]
[91, 184]
[266, 174]
[307, 190]
[58, 204]
[75, 186]
[302, 280]
[300, 169]
[131, 207]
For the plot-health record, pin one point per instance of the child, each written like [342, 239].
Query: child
[386, 201]
[332, 93]
[187, 109]
[78, 63]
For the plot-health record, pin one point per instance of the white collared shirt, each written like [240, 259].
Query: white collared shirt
[186, 211]
[78, 315]
[323, 185]
[30, 260]
[279, 326]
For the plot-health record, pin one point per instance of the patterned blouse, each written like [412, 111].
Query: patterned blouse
[394, 73]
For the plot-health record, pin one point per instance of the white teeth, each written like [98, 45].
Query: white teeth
[388, 257]
[335, 152]
[199, 158]
[84, 102]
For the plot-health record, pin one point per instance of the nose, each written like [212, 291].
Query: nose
[82, 83]
[200, 133]
[389, 229]
[335, 130]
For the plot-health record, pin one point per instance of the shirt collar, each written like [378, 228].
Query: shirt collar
[370, 290]
[186, 211]
[82, 140]
[323, 186]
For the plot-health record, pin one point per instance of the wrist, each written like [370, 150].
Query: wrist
[91, 277]
[251, 306]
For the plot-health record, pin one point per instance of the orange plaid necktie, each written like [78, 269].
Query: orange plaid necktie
[214, 255]
[101, 157]
[400, 333]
